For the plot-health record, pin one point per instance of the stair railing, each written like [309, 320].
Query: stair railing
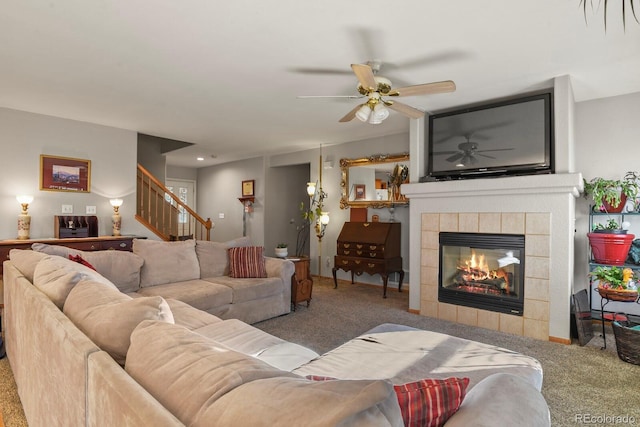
[165, 214]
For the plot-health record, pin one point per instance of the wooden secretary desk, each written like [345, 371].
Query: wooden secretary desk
[369, 247]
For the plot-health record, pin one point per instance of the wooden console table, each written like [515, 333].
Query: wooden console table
[121, 243]
[369, 247]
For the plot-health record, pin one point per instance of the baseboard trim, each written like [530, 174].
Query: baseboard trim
[560, 340]
[413, 311]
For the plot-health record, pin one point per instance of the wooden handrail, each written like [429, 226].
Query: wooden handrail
[161, 216]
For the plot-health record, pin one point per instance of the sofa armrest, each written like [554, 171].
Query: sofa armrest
[283, 268]
[278, 267]
[505, 397]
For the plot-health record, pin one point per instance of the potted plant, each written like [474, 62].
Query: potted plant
[282, 250]
[610, 227]
[610, 195]
[616, 283]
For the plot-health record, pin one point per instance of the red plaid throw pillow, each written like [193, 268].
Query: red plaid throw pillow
[246, 262]
[430, 402]
[80, 260]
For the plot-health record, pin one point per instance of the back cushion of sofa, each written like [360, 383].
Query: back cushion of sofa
[214, 258]
[185, 371]
[122, 268]
[26, 261]
[108, 317]
[166, 262]
[56, 276]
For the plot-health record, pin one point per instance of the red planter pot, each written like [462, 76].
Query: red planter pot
[610, 249]
[610, 209]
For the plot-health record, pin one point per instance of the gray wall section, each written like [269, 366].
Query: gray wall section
[149, 155]
[219, 188]
[177, 172]
[286, 189]
[25, 136]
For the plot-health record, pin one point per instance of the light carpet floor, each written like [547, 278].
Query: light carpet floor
[578, 381]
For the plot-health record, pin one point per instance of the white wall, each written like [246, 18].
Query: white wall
[607, 137]
[25, 136]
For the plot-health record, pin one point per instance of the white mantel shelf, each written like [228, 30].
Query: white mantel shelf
[532, 184]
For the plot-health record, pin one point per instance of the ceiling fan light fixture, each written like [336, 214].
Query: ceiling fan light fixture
[363, 113]
[380, 112]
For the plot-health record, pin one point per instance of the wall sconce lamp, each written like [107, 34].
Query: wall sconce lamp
[321, 224]
[24, 219]
[116, 219]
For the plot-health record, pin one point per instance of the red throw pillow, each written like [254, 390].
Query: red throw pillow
[246, 262]
[425, 403]
[430, 402]
[80, 260]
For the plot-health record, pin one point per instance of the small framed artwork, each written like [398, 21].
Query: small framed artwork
[65, 174]
[248, 188]
[361, 193]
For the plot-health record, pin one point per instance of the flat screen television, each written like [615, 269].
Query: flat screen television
[507, 137]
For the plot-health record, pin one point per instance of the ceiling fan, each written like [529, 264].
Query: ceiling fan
[378, 90]
[467, 153]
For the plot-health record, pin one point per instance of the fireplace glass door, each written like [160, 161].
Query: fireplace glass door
[482, 270]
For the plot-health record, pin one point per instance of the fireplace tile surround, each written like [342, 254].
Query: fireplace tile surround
[534, 226]
[541, 207]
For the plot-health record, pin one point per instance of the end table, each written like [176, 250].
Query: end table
[301, 282]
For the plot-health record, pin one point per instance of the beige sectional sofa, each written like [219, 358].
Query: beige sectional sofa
[195, 272]
[85, 353]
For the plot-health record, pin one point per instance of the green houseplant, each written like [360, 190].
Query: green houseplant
[616, 283]
[610, 195]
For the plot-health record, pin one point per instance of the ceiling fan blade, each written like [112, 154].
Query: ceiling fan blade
[444, 152]
[364, 73]
[484, 155]
[405, 109]
[351, 114]
[495, 149]
[424, 89]
[326, 71]
[455, 157]
[329, 96]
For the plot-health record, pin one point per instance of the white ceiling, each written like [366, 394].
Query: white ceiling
[225, 75]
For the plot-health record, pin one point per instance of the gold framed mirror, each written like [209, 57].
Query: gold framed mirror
[374, 181]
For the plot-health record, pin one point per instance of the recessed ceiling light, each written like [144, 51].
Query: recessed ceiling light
[200, 159]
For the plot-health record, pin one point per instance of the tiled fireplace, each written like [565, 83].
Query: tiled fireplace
[540, 208]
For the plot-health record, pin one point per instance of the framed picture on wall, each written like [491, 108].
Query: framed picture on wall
[247, 188]
[65, 174]
[361, 193]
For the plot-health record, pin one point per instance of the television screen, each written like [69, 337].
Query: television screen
[513, 137]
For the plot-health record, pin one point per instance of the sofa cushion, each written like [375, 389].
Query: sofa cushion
[502, 396]
[189, 316]
[249, 340]
[56, 276]
[166, 262]
[430, 402]
[107, 316]
[200, 294]
[26, 261]
[300, 402]
[187, 372]
[122, 268]
[247, 262]
[250, 289]
[213, 257]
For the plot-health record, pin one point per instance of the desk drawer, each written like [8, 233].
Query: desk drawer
[363, 250]
[71, 233]
[371, 266]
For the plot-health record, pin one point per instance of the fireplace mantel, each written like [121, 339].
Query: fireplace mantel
[521, 185]
[541, 206]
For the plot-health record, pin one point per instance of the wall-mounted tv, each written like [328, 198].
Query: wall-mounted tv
[507, 137]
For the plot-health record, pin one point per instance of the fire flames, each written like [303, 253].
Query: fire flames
[476, 270]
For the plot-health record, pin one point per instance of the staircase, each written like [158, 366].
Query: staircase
[165, 214]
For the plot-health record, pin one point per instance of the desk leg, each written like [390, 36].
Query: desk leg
[335, 280]
[385, 279]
